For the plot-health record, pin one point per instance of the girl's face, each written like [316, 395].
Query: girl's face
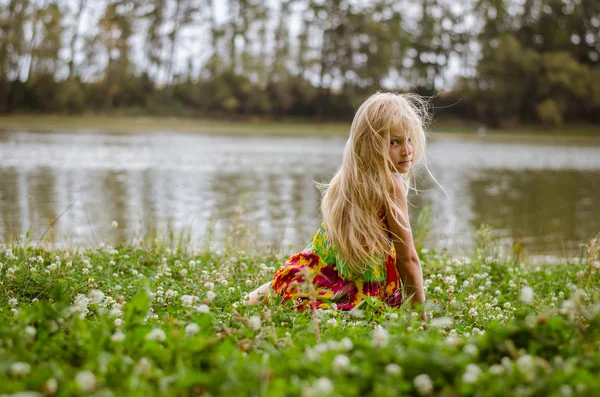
[401, 152]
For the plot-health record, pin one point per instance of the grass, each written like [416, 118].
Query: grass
[134, 124]
[164, 319]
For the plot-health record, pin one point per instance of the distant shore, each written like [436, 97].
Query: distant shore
[147, 124]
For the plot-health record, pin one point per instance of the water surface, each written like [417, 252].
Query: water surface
[70, 187]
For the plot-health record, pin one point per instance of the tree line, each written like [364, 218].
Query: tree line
[497, 61]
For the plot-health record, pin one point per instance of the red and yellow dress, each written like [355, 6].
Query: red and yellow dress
[332, 281]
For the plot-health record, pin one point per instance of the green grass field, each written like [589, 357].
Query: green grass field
[144, 320]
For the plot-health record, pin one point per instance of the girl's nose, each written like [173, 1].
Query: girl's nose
[407, 149]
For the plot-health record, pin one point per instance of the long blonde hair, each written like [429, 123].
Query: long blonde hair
[364, 183]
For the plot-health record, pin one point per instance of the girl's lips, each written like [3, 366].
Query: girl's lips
[404, 162]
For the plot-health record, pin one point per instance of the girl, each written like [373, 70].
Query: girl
[364, 246]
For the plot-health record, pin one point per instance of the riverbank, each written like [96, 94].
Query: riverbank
[166, 320]
[131, 124]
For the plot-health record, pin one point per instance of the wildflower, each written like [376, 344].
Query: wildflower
[183, 272]
[86, 380]
[30, 332]
[210, 296]
[473, 312]
[209, 285]
[321, 387]
[144, 365]
[254, 322]
[332, 322]
[118, 322]
[12, 302]
[81, 303]
[526, 365]
[393, 369]
[423, 384]
[471, 350]
[192, 329]
[340, 363]
[50, 387]
[188, 300]
[380, 336]
[96, 296]
[496, 369]
[118, 336]
[156, 334]
[441, 322]
[202, 309]
[114, 224]
[356, 313]
[472, 374]
[115, 312]
[346, 344]
[171, 294]
[20, 368]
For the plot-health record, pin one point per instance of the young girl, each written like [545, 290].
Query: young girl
[364, 246]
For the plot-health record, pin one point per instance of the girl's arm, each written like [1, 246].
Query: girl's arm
[407, 260]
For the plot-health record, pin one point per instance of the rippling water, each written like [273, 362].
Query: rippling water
[545, 196]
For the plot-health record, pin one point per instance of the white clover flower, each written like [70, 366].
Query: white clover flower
[423, 384]
[118, 322]
[115, 312]
[188, 300]
[209, 285]
[96, 296]
[437, 290]
[81, 303]
[20, 368]
[471, 374]
[183, 272]
[254, 322]
[322, 386]
[156, 334]
[30, 332]
[393, 369]
[471, 350]
[202, 309]
[527, 294]
[441, 322]
[192, 329]
[210, 296]
[118, 336]
[381, 336]
[356, 313]
[86, 380]
[50, 387]
[346, 344]
[340, 363]
[332, 322]
[12, 302]
[496, 369]
[114, 224]
[473, 312]
[526, 363]
[144, 365]
[171, 294]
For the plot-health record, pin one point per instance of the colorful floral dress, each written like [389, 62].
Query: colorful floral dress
[332, 281]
